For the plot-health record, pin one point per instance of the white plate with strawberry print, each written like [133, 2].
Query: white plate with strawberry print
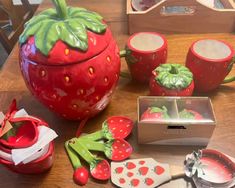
[139, 173]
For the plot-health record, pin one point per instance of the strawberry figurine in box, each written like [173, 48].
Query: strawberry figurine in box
[171, 80]
[187, 114]
[155, 113]
[69, 60]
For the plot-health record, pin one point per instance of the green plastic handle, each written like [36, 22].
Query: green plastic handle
[230, 79]
[79, 147]
[91, 145]
[72, 156]
[93, 136]
[123, 53]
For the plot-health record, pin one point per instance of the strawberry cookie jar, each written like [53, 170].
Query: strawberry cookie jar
[69, 60]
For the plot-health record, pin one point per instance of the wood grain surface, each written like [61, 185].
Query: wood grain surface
[123, 103]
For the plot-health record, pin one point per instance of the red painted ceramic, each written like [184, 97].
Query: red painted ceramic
[26, 135]
[210, 62]
[73, 68]
[37, 166]
[218, 170]
[144, 52]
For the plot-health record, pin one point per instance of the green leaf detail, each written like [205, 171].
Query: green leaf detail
[108, 148]
[48, 27]
[173, 76]
[106, 131]
[162, 110]
[130, 59]
[185, 114]
[12, 132]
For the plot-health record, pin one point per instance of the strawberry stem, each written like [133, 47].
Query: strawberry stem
[72, 156]
[61, 8]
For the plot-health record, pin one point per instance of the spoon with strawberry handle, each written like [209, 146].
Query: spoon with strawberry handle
[116, 150]
[99, 168]
[80, 175]
[112, 128]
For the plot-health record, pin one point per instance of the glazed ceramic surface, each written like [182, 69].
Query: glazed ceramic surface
[144, 52]
[210, 62]
[76, 71]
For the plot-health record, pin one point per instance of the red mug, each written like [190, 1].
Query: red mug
[210, 62]
[144, 52]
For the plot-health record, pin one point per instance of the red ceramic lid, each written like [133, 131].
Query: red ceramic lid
[64, 35]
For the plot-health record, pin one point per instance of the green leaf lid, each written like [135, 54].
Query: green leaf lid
[173, 76]
[64, 35]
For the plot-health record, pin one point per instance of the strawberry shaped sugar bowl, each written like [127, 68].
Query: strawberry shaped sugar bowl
[69, 60]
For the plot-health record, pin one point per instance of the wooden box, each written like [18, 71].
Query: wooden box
[182, 16]
[176, 130]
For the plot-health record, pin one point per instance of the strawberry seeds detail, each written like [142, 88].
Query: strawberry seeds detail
[118, 127]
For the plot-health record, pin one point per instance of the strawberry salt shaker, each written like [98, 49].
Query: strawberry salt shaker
[155, 113]
[188, 114]
[69, 60]
[171, 80]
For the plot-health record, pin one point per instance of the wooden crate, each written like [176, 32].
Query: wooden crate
[197, 19]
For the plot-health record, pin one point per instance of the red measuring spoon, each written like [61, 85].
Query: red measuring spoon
[80, 175]
[116, 150]
[99, 168]
[112, 128]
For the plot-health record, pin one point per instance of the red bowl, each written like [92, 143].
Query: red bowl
[37, 166]
[20, 140]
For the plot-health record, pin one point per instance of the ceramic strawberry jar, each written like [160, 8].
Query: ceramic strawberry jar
[69, 60]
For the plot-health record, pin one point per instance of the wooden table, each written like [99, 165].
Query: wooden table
[123, 103]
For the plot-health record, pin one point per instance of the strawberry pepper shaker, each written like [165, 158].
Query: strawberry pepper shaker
[69, 60]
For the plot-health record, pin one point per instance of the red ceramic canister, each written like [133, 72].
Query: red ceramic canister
[37, 166]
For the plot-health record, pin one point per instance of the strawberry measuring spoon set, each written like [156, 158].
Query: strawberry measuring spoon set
[109, 140]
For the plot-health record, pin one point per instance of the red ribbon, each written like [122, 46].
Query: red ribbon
[8, 116]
